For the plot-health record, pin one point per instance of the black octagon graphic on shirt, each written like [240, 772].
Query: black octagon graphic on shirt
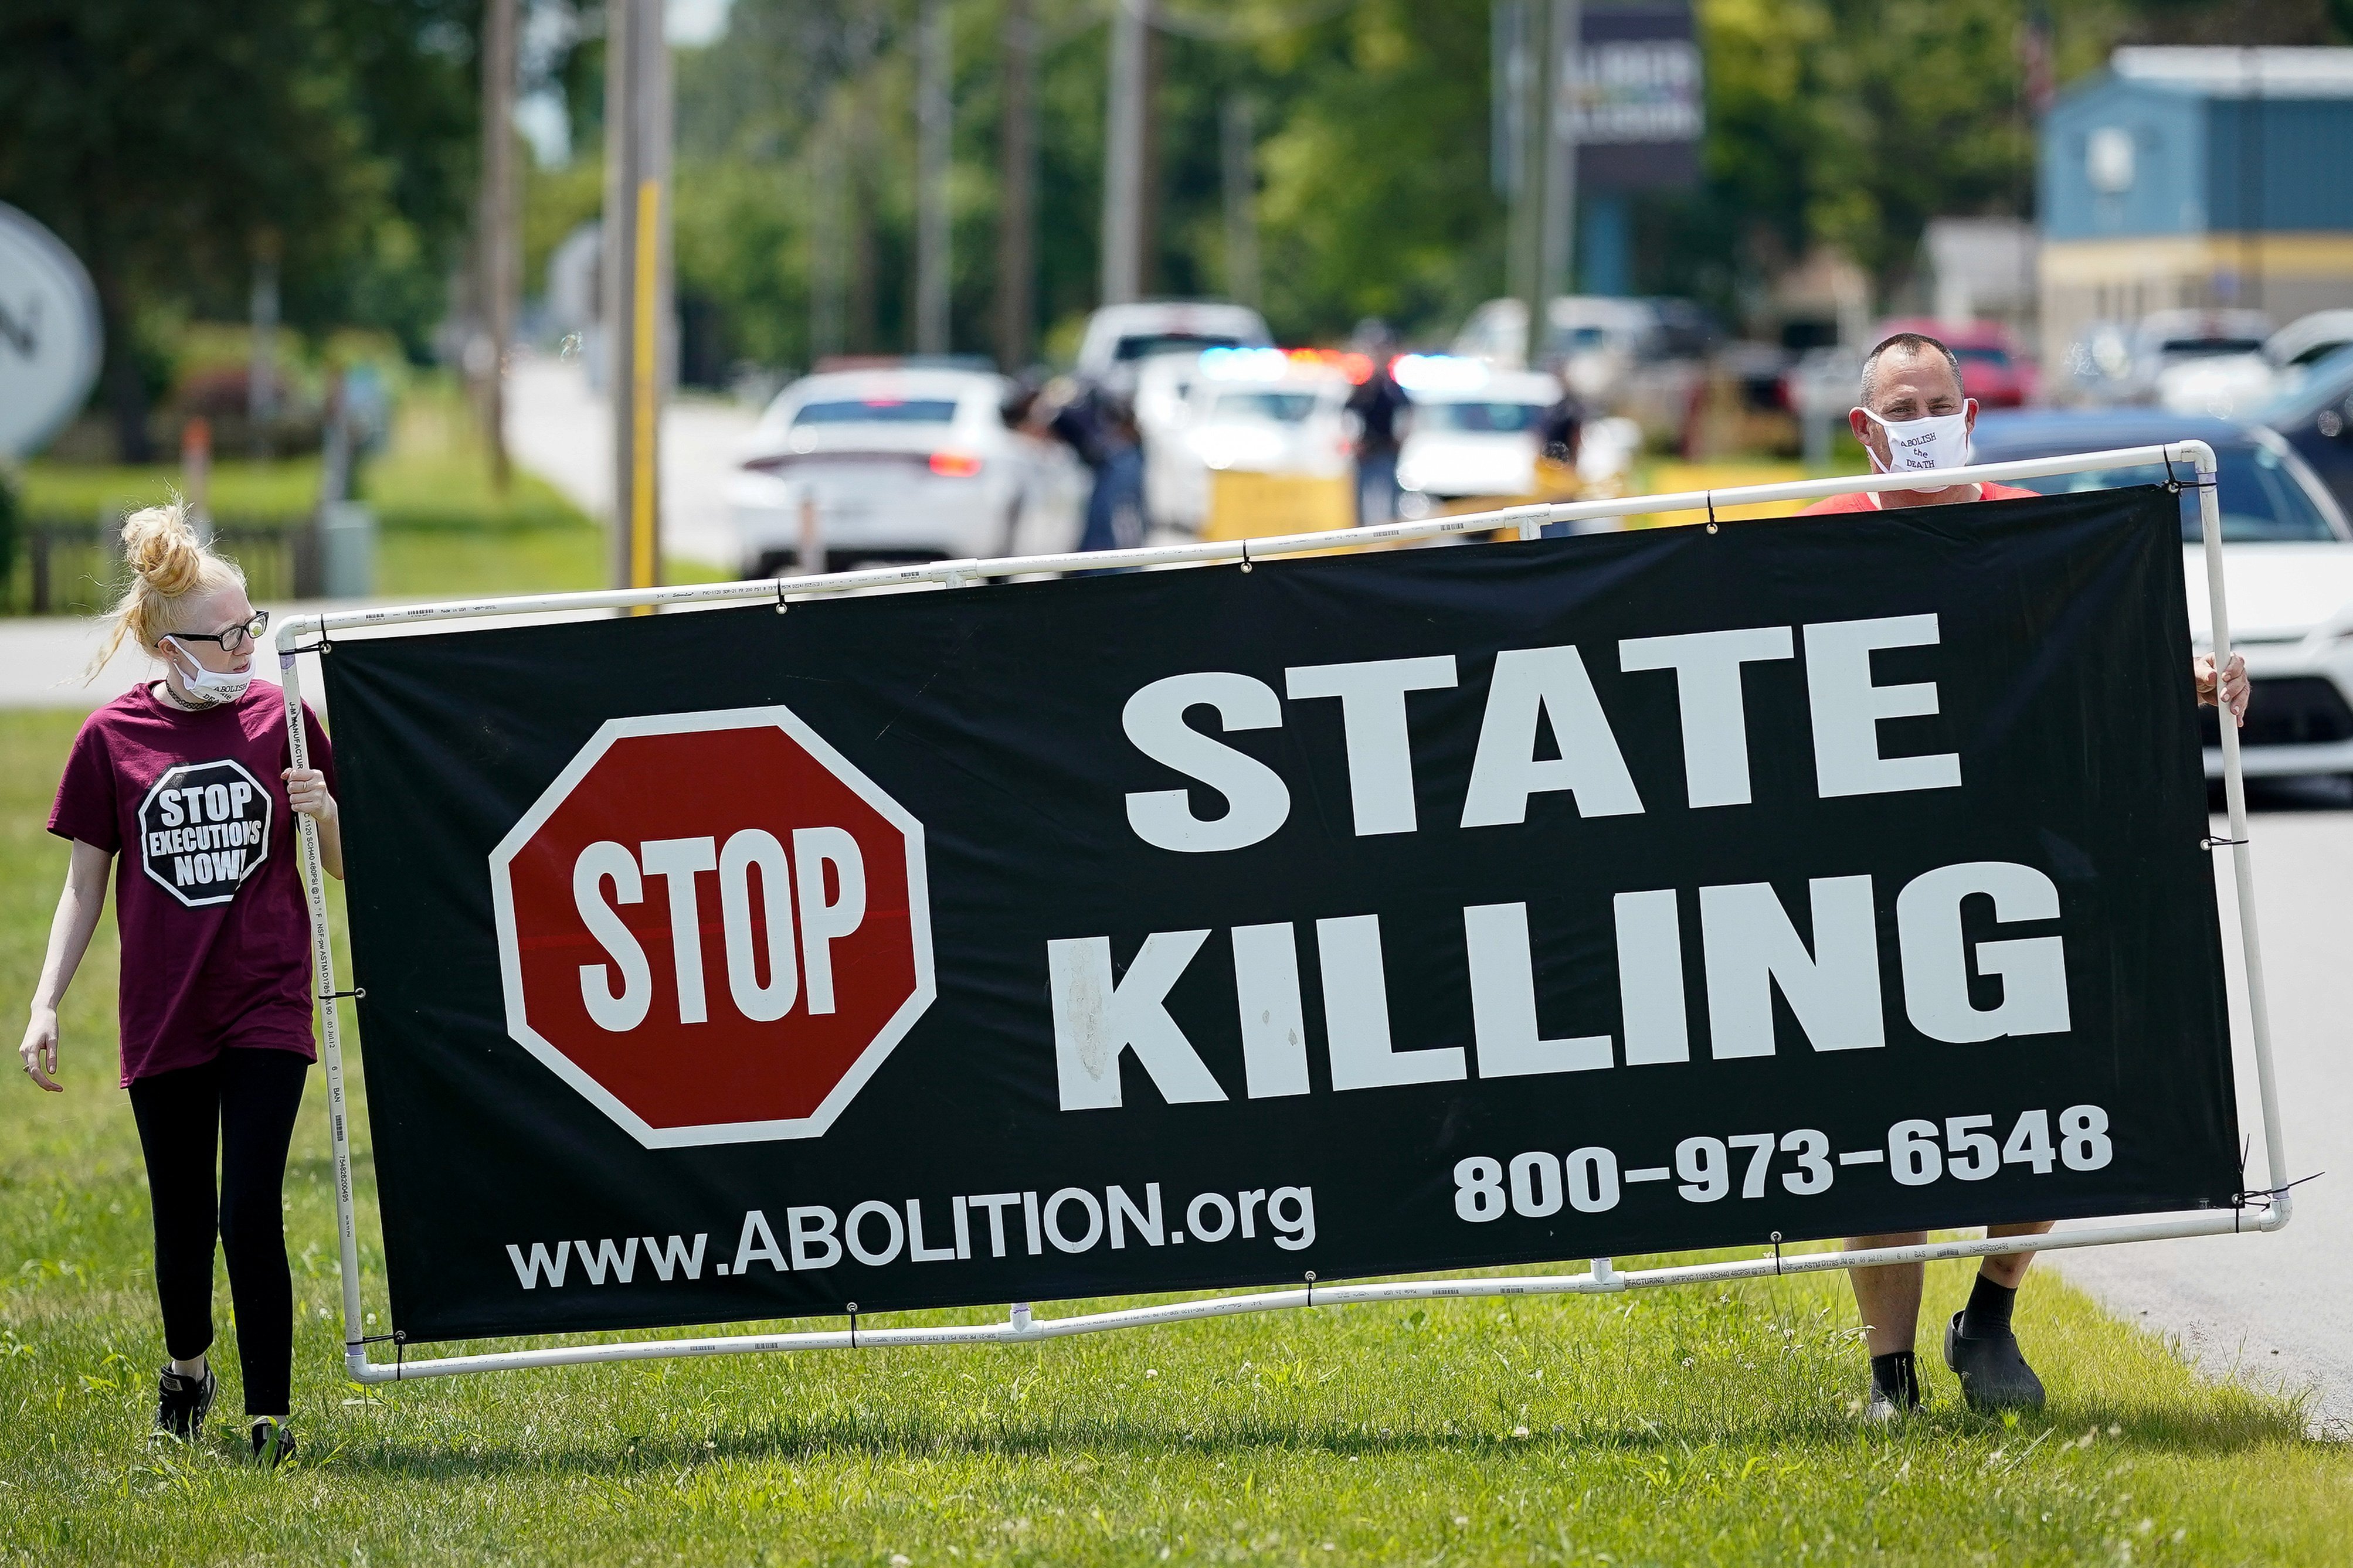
[203, 829]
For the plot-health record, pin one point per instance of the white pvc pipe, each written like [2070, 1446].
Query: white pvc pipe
[1602, 1280]
[2234, 797]
[1526, 522]
[331, 1029]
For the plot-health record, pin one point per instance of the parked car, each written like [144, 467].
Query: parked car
[2298, 348]
[1119, 338]
[901, 463]
[2317, 418]
[1474, 431]
[2190, 361]
[2287, 562]
[1991, 369]
[1646, 359]
[1176, 489]
[2205, 362]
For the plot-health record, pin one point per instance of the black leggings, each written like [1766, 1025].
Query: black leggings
[249, 1095]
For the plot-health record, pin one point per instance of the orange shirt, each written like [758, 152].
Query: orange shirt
[1861, 501]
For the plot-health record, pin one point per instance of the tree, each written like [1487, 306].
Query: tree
[175, 147]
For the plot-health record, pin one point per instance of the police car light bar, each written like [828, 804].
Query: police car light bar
[1439, 372]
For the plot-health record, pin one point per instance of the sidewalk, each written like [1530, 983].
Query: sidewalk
[562, 432]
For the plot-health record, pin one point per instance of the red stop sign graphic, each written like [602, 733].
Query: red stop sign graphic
[713, 926]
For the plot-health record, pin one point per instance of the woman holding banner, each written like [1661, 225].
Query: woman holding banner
[192, 778]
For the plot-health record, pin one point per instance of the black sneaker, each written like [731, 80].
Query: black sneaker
[182, 1402]
[1993, 1371]
[273, 1445]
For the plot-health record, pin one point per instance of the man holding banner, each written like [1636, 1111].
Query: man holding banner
[1911, 414]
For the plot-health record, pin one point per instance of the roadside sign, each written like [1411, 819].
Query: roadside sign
[50, 340]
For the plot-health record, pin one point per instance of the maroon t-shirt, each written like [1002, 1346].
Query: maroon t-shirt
[216, 931]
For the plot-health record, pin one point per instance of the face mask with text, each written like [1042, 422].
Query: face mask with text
[1938, 441]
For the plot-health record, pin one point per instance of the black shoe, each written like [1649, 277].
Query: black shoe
[1993, 1372]
[273, 1445]
[182, 1402]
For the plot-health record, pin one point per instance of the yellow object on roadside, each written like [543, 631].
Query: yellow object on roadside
[1246, 505]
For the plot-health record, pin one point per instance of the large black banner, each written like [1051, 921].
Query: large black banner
[1360, 915]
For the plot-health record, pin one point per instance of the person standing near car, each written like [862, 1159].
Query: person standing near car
[1911, 415]
[1381, 407]
[190, 781]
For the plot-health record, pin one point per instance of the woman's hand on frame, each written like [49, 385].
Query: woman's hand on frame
[306, 791]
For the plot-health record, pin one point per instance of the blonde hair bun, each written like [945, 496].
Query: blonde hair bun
[162, 550]
[168, 563]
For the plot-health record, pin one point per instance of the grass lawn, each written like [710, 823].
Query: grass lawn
[1710, 1425]
[443, 529]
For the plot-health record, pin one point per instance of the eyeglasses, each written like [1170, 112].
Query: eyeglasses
[237, 638]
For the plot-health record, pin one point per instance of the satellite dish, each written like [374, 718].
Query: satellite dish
[50, 341]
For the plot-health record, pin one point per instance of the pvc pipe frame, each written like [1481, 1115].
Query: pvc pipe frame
[2267, 1211]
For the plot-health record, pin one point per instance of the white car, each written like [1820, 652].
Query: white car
[2287, 565]
[1119, 338]
[1641, 358]
[1474, 431]
[2205, 362]
[898, 464]
[1175, 486]
[1265, 411]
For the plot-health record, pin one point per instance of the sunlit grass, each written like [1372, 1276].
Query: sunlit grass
[1686, 1426]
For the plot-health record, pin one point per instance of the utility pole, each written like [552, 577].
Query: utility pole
[636, 275]
[934, 127]
[1123, 153]
[1237, 123]
[1017, 185]
[1558, 255]
[1534, 165]
[1547, 231]
[828, 241]
[500, 260]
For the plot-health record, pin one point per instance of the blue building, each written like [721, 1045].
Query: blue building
[2198, 178]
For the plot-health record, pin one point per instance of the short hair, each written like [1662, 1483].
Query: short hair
[1909, 344]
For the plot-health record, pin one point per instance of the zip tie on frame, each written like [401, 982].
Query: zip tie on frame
[1246, 559]
[356, 993]
[2176, 484]
[1711, 511]
[1777, 1254]
[397, 1339]
[780, 595]
[2212, 842]
[1311, 1287]
[853, 1324]
[324, 645]
[2272, 1194]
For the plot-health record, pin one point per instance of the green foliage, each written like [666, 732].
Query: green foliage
[243, 490]
[174, 147]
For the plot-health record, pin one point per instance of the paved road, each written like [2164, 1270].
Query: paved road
[43, 661]
[562, 432]
[2277, 1310]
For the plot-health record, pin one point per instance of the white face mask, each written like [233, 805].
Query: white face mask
[208, 688]
[1939, 441]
